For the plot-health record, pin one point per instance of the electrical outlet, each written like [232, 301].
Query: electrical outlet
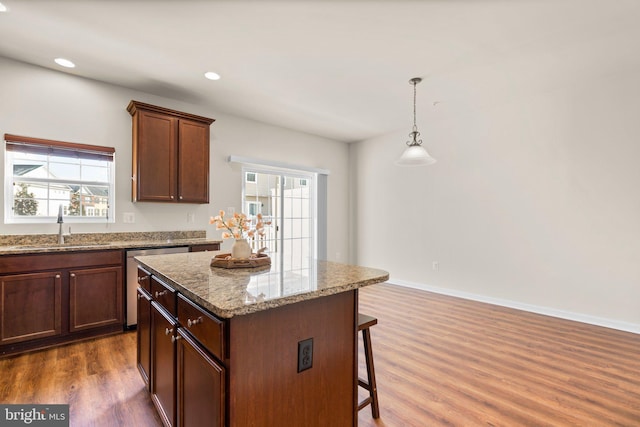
[128, 217]
[305, 354]
[191, 218]
[435, 266]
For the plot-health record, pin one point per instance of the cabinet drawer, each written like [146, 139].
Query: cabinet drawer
[56, 261]
[144, 279]
[165, 295]
[208, 330]
[205, 248]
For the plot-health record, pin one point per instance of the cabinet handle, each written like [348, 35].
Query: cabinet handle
[175, 338]
[168, 331]
[159, 294]
[139, 296]
[191, 323]
[143, 278]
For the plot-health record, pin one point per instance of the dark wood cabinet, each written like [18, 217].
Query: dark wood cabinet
[95, 298]
[193, 162]
[155, 156]
[143, 354]
[163, 363]
[201, 385]
[164, 295]
[187, 381]
[170, 155]
[48, 299]
[31, 306]
[205, 248]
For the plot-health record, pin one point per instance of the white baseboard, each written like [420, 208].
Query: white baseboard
[578, 317]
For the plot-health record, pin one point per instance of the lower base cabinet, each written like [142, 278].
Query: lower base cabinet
[95, 298]
[50, 299]
[144, 335]
[187, 384]
[31, 306]
[163, 363]
[201, 384]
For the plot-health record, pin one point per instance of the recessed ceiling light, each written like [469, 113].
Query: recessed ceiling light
[3, 8]
[64, 62]
[212, 76]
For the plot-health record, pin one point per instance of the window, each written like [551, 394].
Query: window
[253, 208]
[42, 175]
[250, 177]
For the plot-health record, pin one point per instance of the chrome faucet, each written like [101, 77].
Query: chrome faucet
[60, 221]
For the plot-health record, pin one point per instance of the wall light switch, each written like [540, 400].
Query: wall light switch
[191, 217]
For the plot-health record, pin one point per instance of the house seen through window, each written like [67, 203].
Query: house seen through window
[42, 175]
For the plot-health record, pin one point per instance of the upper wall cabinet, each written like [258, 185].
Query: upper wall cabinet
[170, 155]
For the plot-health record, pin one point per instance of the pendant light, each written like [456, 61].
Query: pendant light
[415, 154]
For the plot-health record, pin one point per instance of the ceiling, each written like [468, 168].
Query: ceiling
[338, 69]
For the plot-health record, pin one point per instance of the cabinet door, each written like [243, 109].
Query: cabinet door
[163, 363]
[155, 157]
[30, 306]
[144, 335]
[200, 385]
[95, 298]
[193, 162]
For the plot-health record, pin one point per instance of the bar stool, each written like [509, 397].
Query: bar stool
[364, 323]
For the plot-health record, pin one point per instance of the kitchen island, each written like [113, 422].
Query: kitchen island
[247, 347]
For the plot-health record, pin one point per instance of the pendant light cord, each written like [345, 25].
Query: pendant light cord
[415, 128]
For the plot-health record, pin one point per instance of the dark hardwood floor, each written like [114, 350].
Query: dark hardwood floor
[440, 361]
[97, 378]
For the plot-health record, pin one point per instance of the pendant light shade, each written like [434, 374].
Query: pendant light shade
[415, 154]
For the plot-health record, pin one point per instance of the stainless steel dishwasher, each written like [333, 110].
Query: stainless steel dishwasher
[132, 277]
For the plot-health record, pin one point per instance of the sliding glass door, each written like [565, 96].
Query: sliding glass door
[286, 199]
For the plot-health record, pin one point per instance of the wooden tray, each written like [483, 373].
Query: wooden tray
[225, 261]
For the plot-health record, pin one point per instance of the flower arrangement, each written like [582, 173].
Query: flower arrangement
[238, 226]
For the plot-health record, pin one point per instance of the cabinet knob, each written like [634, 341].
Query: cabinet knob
[168, 331]
[57, 276]
[180, 197]
[159, 294]
[73, 275]
[171, 197]
[175, 338]
[191, 323]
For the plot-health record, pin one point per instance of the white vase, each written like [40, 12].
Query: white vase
[241, 249]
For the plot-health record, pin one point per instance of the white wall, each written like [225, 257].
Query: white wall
[48, 104]
[535, 203]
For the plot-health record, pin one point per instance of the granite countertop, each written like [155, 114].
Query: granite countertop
[46, 243]
[231, 292]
